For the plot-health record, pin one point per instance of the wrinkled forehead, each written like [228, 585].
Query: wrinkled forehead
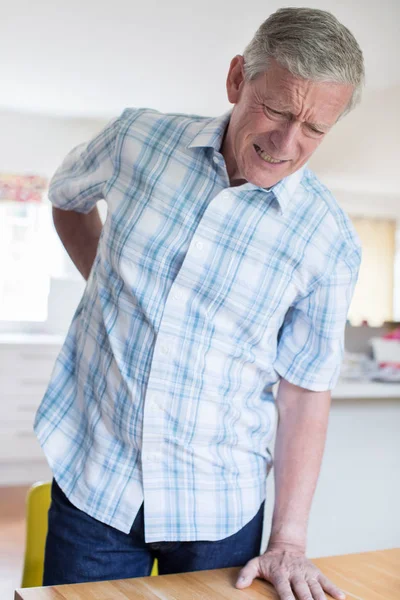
[322, 101]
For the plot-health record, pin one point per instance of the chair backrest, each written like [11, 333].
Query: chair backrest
[37, 507]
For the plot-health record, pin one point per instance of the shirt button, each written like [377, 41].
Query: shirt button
[199, 245]
[216, 160]
[164, 349]
[178, 295]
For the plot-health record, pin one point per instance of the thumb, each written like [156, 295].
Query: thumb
[248, 574]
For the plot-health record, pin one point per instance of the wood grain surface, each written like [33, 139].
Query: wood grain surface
[366, 576]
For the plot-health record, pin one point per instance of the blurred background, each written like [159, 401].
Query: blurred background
[67, 69]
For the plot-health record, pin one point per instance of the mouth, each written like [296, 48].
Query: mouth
[266, 157]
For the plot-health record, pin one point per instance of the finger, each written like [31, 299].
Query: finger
[248, 573]
[282, 586]
[331, 588]
[302, 589]
[316, 590]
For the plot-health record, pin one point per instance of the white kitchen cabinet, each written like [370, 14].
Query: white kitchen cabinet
[26, 363]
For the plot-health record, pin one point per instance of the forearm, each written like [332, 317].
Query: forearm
[80, 235]
[300, 441]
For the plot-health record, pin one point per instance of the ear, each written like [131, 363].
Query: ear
[235, 79]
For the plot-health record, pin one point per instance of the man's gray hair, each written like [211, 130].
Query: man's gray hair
[311, 44]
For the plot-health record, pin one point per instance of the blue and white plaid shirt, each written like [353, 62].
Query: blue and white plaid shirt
[201, 297]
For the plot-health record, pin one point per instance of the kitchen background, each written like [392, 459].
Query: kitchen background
[66, 70]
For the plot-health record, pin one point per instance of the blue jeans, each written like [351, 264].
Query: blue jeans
[79, 548]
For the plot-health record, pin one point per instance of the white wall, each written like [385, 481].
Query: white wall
[359, 159]
[94, 57]
[37, 143]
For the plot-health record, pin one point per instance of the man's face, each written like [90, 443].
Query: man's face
[277, 122]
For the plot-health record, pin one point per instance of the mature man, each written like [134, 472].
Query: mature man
[223, 266]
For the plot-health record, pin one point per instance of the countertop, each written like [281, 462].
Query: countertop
[366, 576]
[366, 389]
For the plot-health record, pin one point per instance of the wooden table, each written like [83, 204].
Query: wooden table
[367, 576]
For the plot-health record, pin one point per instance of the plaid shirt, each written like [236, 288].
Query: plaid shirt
[201, 297]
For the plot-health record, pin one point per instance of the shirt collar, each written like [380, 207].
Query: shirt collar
[210, 135]
[285, 189]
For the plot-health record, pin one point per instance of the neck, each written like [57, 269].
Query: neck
[230, 161]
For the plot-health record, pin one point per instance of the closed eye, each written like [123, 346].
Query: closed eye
[316, 131]
[272, 111]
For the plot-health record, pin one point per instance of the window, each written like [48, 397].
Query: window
[374, 295]
[30, 252]
[25, 272]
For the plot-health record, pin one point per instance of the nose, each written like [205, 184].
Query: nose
[284, 139]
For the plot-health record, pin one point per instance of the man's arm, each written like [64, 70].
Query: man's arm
[80, 235]
[300, 441]
[74, 190]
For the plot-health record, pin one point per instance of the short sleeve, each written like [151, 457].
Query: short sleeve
[79, 182]
[311, 341]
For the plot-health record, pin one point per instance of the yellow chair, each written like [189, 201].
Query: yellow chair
[37, 507]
